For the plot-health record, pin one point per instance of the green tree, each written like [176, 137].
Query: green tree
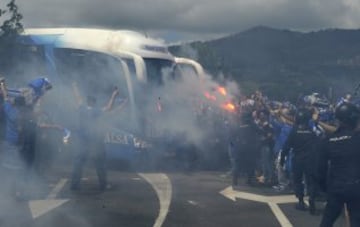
[12, 25]
[9, 29]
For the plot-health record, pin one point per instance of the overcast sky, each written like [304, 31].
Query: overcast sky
[175, 20]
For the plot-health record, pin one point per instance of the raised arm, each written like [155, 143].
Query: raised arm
[110, 103]
[327, 127]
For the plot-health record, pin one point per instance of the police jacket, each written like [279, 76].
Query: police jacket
[339, 161]
[303, 141]
[247, 134]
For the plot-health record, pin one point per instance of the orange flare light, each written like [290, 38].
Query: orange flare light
[222, 91]
[229, 107]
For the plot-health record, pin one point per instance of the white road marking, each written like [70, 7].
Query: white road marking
[282, 199]
[163, 188]
[41, 207]
[58, 187]
[280, 216]
[233, 194]
[272, 201]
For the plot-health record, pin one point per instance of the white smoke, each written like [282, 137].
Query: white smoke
[186, 118]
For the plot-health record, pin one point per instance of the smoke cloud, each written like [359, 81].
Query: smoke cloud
[192, 20]
[177, 113]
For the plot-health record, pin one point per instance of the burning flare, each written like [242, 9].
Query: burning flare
[210, 96]
[222, 90]
[228, 106]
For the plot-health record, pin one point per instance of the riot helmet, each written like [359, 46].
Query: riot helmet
[348, 114]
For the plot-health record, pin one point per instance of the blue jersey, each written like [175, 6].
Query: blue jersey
[12, 125]
[283, 130]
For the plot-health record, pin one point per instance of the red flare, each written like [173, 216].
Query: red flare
[209, 96]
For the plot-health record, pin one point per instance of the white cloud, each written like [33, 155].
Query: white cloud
[200, 18]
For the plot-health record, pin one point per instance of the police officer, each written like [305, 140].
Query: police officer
[246, 153]
[303, 141]
[339, 167]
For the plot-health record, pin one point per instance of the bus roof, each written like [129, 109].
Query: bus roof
[101, 40]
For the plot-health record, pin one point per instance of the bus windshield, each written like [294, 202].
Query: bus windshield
[159, 70]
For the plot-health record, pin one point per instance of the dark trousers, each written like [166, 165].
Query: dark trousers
[235, 171]
[301, 170]
[249, 162]
[96, 152]
[334, 206]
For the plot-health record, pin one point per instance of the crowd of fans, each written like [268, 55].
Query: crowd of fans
[23, 127]
[273, 122]
[289, 147]
[273, 144]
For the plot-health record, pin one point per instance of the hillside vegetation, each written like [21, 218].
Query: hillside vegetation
[283, 63]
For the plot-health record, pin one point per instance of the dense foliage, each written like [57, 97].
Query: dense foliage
[284, 63]
[11, 26]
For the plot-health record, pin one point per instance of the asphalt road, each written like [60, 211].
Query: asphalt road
[171, 199]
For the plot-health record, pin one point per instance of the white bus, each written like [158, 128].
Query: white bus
[98, 59]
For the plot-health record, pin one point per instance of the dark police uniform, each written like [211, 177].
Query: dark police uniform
[304, 142]
[245, 155]
[339, 170]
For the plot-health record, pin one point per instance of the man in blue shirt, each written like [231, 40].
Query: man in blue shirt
[12, 161]
[91, 138]
[282, 126]
[12, 114]
[13, 111]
